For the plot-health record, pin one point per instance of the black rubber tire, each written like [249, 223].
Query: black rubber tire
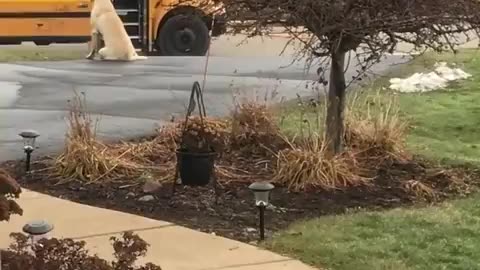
[42, 43]
[165, 41]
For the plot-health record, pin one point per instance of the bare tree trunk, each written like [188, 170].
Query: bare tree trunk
[336, 104]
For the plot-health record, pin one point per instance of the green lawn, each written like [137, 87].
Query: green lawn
[442, 237]
[41, 53]
[445, 126]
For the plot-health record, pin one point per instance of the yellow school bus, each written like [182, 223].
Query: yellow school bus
[156, 27]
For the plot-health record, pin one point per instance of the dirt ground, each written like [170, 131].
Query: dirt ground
[234, 215]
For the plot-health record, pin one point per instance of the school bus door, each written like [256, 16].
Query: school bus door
[44, 21]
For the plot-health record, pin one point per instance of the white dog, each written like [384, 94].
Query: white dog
[106, 23]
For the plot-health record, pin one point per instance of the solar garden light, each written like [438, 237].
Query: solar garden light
[29, 137]
[261, 191]
[37, 230]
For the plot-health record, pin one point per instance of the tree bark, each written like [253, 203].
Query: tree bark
[336, 104]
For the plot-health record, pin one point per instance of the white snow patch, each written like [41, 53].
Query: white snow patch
[424, 82]
[8, 93]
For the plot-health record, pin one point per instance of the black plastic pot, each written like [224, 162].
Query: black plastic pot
[196, 169]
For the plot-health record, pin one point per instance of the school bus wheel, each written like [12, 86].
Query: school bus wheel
[183, 35]
[42, 43]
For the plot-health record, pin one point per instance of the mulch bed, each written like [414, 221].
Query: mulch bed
[234, 216]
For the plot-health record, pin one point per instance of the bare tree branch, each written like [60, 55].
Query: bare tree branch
[369, 28]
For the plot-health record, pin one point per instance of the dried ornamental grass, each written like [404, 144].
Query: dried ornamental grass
[85, 158]
[306, 166]
[146, 152]
[254, 128]
[169, 136]
[375, 127]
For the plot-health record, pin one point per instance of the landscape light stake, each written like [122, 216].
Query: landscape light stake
[28, 152]
[261, 211]
[261, 191]
[29, 137]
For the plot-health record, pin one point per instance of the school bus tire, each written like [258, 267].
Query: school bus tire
[42, 43]
[183, 35]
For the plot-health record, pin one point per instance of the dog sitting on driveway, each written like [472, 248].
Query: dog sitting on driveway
[106, 23]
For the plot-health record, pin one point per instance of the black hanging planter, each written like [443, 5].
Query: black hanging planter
[195, 166]
[195, 169]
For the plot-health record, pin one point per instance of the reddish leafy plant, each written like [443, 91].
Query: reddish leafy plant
[9, 190]
[67, 254]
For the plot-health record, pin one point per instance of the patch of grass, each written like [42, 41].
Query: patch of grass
[37, 53]
[446, 124]
[446, 236]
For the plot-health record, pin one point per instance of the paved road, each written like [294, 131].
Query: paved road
[134, 97]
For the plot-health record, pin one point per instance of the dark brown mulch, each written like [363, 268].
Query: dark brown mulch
[234, 216]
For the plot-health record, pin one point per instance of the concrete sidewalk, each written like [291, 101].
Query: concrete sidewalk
[172, 247]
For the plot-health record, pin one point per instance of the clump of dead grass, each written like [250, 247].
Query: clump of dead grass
[419, 189]
[254, 128]
[373, 125]
[87, 159]
[168, 135]
[374, 133]
[306, 165]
